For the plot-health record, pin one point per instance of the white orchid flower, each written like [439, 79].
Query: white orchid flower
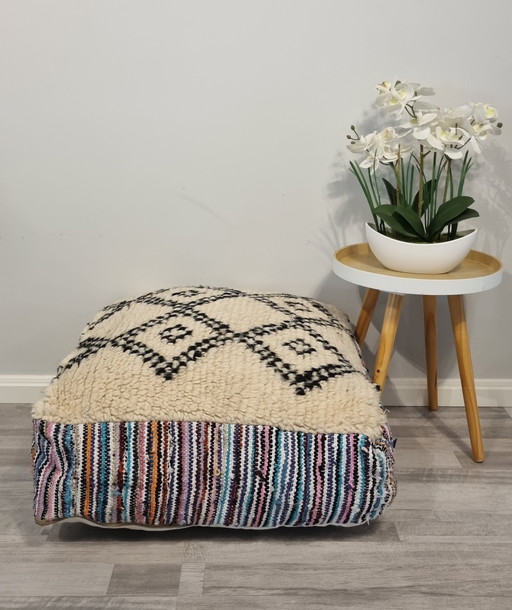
[395, 97]
[421, 124]
[474, 145]
[451, 135]
[453, 139]
[364, 143]
[425, 106]
[459, 113]
[482, 131]
[385, 146]
[428, 137]
[421, 90]
[384, 87]
[479, 132]
[426, 130]
[390, 145]
[371, 162]
[483, 113]
[482, 123]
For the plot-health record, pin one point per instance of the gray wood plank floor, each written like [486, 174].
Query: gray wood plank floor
[445, 543]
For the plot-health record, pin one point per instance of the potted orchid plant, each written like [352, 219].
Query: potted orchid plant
[425, 156]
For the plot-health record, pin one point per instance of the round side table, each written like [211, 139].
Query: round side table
[478, 272]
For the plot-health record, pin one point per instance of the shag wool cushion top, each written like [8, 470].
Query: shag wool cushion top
[206, 406]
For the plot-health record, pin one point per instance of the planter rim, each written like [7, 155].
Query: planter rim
[460, 235]
[421, 258]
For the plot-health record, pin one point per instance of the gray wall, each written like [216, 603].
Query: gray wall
[159, 143]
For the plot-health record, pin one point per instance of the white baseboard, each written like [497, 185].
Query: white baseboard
[22, 388]
[413, 392]
[405, 391]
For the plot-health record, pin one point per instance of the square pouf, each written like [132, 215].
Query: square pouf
[213, 407]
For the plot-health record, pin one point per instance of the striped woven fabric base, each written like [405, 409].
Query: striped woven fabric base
[161, 473]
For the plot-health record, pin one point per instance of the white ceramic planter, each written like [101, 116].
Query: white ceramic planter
[419, 258]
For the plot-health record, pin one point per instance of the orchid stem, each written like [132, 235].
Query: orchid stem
[420, 183]
[448, 178]
[398, 173]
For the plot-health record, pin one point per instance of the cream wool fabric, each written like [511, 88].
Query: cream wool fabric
[219, 355]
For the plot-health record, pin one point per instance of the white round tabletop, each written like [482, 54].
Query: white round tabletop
[476, 273]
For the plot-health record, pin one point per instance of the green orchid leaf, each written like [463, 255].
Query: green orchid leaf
[399, 231]
[412, 218]
[391, 190]
[386, 212]
[446, 215]
[429, 195]
[469, 213]
[401, 220]
[452, 229]
[416, 202]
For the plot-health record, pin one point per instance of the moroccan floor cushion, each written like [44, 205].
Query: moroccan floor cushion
[207, 406]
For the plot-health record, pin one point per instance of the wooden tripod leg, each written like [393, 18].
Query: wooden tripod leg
[430, 322]
[365, 315]
[387, 338]
[460, 333]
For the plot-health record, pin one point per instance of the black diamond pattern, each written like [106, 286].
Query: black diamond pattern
[305, 316]
[172, 334]
[300, 347]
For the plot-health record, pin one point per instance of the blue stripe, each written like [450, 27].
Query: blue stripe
[70, 455]
[127, 472]
[380, 470]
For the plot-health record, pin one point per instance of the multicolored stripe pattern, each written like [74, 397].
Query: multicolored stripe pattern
[161, 473]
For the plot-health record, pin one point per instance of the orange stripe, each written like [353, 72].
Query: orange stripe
[154, 477]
